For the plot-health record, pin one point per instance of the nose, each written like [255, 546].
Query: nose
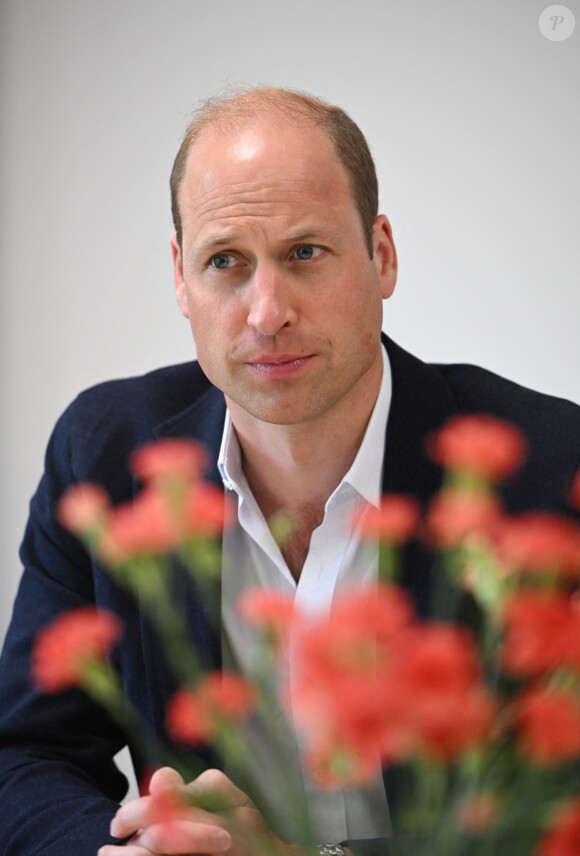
[271, 302]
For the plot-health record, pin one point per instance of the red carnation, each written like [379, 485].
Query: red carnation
[64, 649]
[147, 526]
[542, 632]
[442, 701]
[187, 722]
[334, 763]
[207, 511]
[171, 459]
[354, 639]
[373, 685]
[83, 508]
[563, 838]
[540, 542]
[169, 810]
[341, 693]
[456, 514]
[549, 726]
[270, 610]
[478, 445]
[194, 716]
[394, 522]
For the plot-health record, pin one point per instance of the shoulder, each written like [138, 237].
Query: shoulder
[474, 388]
[550, 425]
[467, 388]
[98, 431]
[149, 398]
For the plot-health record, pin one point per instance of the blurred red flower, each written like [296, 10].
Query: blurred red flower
[159, 521]
[168, 809]
[539, 542]
[441, 699]
[372, 685]
[63, 649]
[394, 522]
[339, 695]
[354, 639]
[542, 632]
[172, 459]
[270, 610]
[207, 511]
[148, 525]
[479, 445]
[563, 837]
[83, 508]
[187, 721]
[195, 716]
[456, 514]
[334, 763]
[549, 726]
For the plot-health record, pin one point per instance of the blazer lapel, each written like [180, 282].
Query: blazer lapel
[421, 402]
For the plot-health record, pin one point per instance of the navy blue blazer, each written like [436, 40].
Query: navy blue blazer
[59, 786]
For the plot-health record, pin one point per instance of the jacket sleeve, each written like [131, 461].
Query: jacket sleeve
[59, 786]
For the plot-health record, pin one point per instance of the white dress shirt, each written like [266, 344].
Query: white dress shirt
[336, 558]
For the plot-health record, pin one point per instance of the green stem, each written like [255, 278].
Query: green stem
[104, 686]
[148, 578]
[388, 563]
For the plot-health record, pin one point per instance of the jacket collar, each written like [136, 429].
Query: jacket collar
[421, 402]
[202, 421]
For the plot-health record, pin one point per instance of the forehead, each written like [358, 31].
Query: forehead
[261, 170]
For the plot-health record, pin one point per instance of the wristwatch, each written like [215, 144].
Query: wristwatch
[330, 850]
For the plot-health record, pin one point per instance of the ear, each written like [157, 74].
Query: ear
[385, 255]
[180, 291]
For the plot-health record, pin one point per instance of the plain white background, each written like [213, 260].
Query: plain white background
[473, 117]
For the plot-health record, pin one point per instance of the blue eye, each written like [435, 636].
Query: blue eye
[222, 261]
[305, 251]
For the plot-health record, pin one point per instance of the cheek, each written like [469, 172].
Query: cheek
[215, 322]
[356, 309]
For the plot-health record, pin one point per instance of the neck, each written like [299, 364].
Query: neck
[295, 468]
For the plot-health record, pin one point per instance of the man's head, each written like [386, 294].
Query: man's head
[273, 269]
[232, 111]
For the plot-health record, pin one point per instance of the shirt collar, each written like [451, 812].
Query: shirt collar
[365, 474]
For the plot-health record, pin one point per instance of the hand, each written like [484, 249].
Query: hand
[169, 824]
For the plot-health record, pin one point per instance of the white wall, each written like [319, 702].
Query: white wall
[473, 117]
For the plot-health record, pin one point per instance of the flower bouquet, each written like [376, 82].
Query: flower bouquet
[475, 712]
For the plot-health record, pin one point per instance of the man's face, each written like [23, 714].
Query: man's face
[274, 274]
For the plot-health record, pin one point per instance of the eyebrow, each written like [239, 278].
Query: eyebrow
[308, 235]
[216, 241]
[222, 240]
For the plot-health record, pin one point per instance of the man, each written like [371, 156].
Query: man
[281, 265]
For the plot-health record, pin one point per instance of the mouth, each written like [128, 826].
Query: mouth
[278, 365]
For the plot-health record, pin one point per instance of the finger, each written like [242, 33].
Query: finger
[164, 779]
[127, 850]
[185, 837]
[216, 782]
[130, 817]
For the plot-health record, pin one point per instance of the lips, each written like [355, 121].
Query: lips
[278, 365]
